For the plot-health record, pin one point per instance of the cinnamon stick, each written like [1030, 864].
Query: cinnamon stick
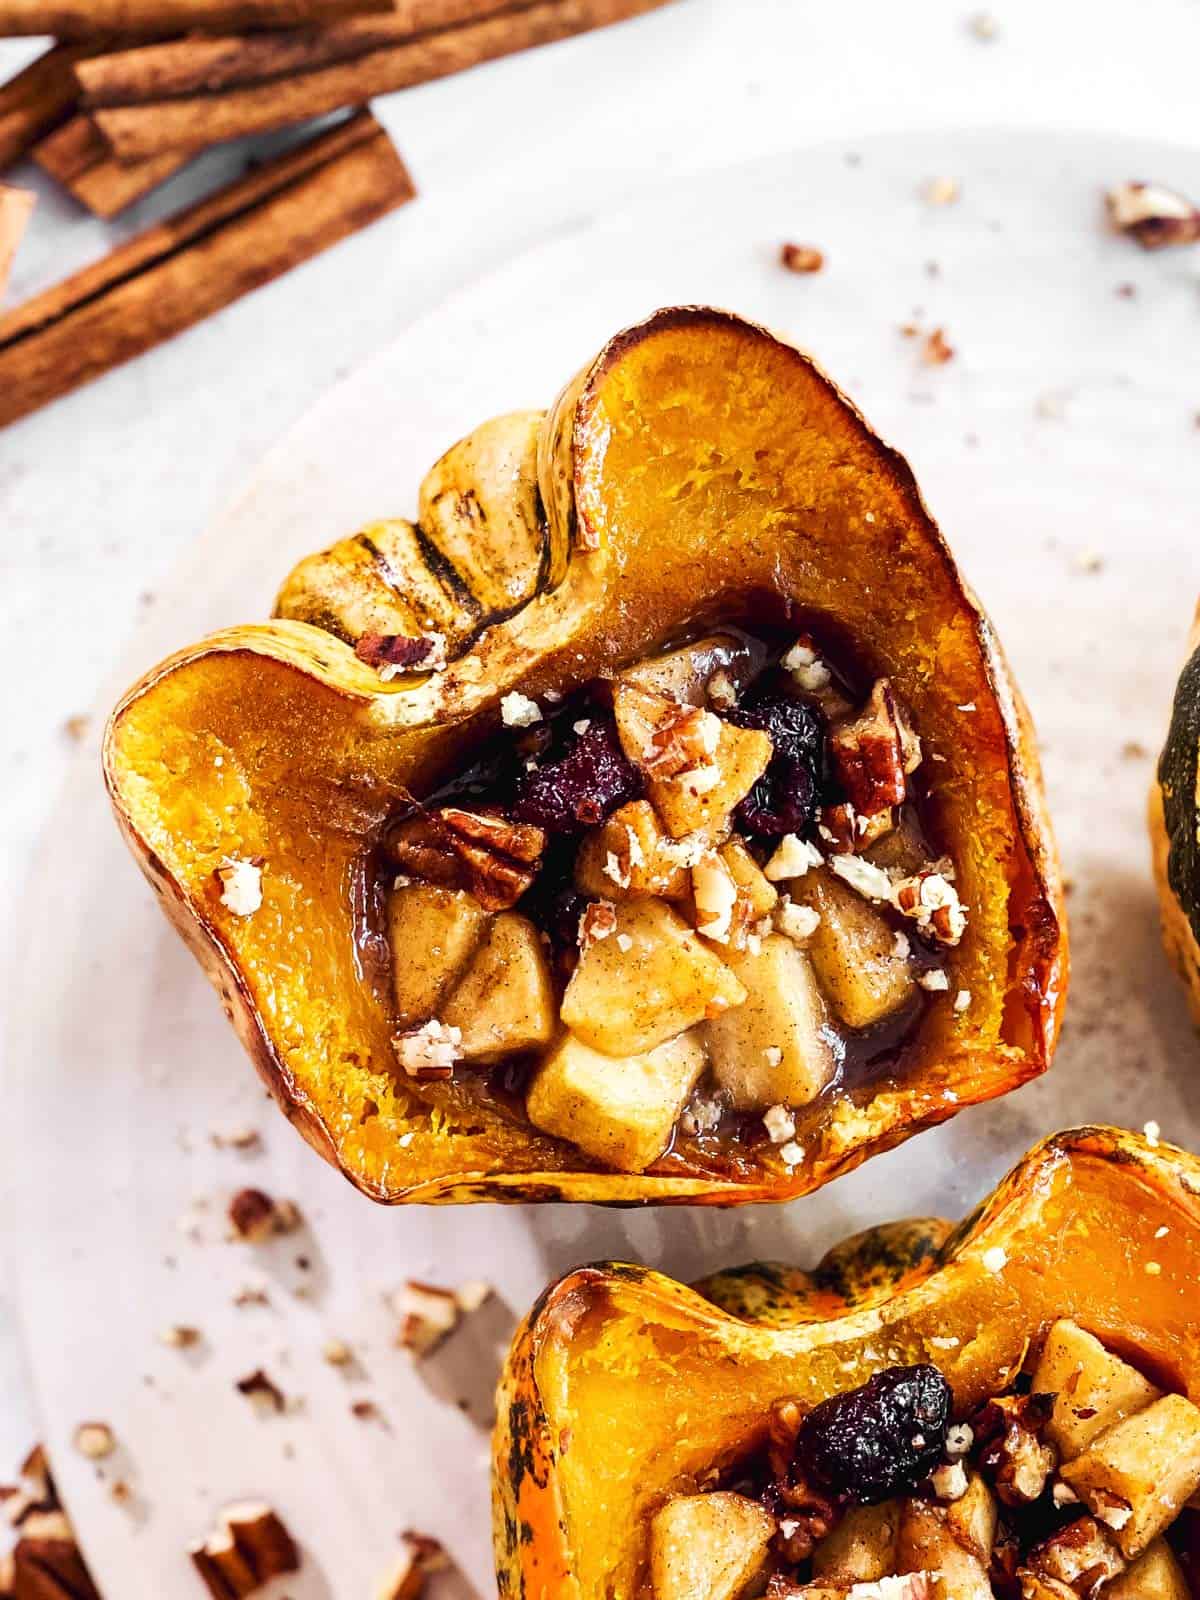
[204, 64]
[16, 207]
[192, 265]
[84, 19]
[35, 101]
[193, 121]
[78, 157]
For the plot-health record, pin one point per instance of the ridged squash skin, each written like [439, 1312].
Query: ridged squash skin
[623, 1387]
[1175, 827]
[698, 468]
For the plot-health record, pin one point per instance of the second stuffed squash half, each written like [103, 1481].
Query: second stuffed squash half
[654, 819]
[1007, 1410]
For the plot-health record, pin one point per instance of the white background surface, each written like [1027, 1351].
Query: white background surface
[100, 494]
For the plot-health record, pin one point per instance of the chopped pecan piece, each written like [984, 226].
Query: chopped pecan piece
[1153, 215]
[1080, 1556]
[250, 1546]
[1014, 1456]
[931, 900]
[874, 752]
[500, 856]
[421, 1556]
[50, 1568]
[428, 1053]
[801, 258]
[678, 738]
[805, 1515]
[596, 923]
[262, 1392]
[422, 850]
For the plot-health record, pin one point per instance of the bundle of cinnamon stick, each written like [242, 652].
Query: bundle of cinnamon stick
[133, 89]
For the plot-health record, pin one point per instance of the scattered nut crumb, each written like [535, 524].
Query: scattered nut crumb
[241, 885]
[263, 1394]
[801, 258]
[179, 1336]
[405, 1578]
[428, 1052]
[95, 1440]
[937, 349]
[236, 1138]
[941, 191]
[429, 1314]
[780, 1124]
[995, 1259]
[1153, 215]
[337, 1352]
[249, 1547]
[76, 728]
[1153, 1133]
[791, 1154]
[255, 1216]
[962, 1000]
[934, 980]
[519, 711]
[984, 26]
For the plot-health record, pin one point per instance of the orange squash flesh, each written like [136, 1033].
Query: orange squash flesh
[623, 1386]
[698, 469]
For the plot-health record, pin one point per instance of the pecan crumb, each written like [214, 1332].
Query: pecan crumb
[598, 921]
[1153, 215]
[261, 1391]
[428, 1053]
[249, 1547]
[255, 1216]
[405, 1578]
[801, 258]
[937, 349]
[95, 1440]
[429, 1314]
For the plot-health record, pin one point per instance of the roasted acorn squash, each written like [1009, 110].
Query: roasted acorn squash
[624, 1387]
[1175, 827]
[699, 468]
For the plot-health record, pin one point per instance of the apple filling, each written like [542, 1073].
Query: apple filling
[1074, 1483]
[677, 913]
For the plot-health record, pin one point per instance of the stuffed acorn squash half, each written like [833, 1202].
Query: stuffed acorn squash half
[1010, 1409]
[652, 820]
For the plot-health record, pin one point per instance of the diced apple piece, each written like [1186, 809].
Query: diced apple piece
[649, 979]
[853, 951]
[1093, 1388]
[684, 674]
[621, 1112]
[761, 895]
[434, 933]
[861, 1547]
[1138, 1474]
[505, 1002]
[625, 859]
[708, 1546]
[952, 1542]
[1155, 1576]
[701, 800]
[777, 1048]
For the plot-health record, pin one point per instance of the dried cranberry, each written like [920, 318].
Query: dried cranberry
[785, 797]
[578, 785]
[879, 1440]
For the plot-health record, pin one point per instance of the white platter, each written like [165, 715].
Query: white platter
[1060, 451]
